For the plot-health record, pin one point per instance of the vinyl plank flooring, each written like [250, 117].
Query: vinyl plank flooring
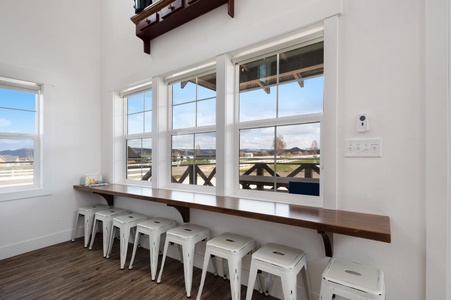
[70, 271]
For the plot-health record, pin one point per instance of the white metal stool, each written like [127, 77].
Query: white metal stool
[125, 223]
[154, 228]
[187, 236]
[232, 247]
[106, 217]
[282, 261]
[352, 280]
[88, 213]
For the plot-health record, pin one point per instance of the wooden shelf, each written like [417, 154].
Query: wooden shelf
[325, 221]
[165, 15]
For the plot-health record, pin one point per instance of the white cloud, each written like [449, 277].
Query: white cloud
[5, 123]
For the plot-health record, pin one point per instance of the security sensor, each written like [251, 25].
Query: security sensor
[362, 123]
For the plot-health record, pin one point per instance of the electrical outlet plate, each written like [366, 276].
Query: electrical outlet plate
[363, 147]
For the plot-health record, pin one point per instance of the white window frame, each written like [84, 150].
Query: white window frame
[136, 89]
[226, 128]
[326, 31]
[36, 188]
[186, 74]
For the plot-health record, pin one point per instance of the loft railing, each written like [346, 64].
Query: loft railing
[165, 15]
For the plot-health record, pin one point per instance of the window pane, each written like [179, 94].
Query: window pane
[258, 104]
[182, 158]
[148, 100]
[205, 158]
[184, 115]
[298, 156]
[135, 103]
[206, 112]
[139, 113]
[194, 164]
[17, 99]
[184, 91]
[259, 73]
[139, 159]
[257, 158]
[17, 121]
[135, 123]
[148, 121]
[272, 158]
[302, 97]
[16, 162]
[206, 86]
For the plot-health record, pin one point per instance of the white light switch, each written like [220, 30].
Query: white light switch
[363, 147]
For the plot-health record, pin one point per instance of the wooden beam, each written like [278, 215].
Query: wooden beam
[291, 73]
[299, 79]
[264, 86]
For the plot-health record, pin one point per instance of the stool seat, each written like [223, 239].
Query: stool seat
[232, 247]
[279, 255]
[283, 261]
[88, 213]
[106, 217]
[154, 228]
[231, 242]
[189, 232]
[186, 236]
[352, 280]
[125, 223]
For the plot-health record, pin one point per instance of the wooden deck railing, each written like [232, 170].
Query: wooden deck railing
[259, 176]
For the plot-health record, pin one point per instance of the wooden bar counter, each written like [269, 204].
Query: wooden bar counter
[325, 221]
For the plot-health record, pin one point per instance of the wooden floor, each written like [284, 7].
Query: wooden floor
[70, 271]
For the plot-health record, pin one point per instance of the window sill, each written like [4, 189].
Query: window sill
[24, 194]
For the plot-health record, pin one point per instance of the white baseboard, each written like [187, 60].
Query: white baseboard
[33, 244]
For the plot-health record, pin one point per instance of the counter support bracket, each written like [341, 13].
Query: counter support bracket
[109, 198]
[184, 212]
[328, 240]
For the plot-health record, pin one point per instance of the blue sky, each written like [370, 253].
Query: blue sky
[254, 105]
[17, 115]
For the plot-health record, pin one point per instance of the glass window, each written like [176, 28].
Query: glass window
[194, 114]
[19, 135]
[280, 111]
[138, 139]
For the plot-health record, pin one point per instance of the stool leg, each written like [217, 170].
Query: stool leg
[106, 235]
[125, 236]
[268, 283]
[251, 283]
[135, 247]
[235, 277]
[75, 226]
[93, 234]
[110, 243]
[213, 262]
[225, 269]
[306, 282]
[288, 286]
[154, 248]
[188, 258]
[87, 229]
[204, 272]
[165, 251]
[180, 253]
[326, 292]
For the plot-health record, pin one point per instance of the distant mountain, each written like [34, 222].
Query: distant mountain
[24, 152]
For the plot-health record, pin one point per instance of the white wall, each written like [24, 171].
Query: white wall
[382, 73]
[57, 43]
